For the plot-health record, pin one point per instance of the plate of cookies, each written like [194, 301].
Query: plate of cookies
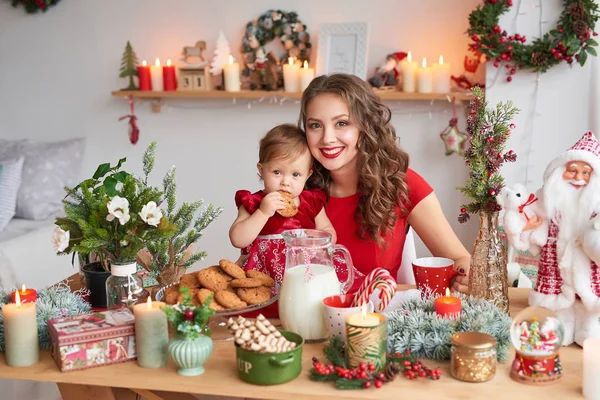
[234, 290]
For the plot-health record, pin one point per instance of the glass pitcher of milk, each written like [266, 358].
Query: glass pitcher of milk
[309, 277]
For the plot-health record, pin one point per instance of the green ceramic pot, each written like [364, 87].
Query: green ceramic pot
[190, 355]
[270, 368]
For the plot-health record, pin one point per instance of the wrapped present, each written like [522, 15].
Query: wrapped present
[92, 340]
[147, 279]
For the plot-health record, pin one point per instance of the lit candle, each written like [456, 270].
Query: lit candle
[591, 369]
[291, 76]
[21, 345]
[447, 306]
[144, 76]
[306, 76]
[425, 78]
[169, 80]
[441, 77]
[151, 334]
[409, 70]
[231, 73]
[27, 295]
[367, 339]
[156, 76]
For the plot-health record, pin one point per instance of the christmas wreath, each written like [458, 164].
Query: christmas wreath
[33, 6]
[570, 40]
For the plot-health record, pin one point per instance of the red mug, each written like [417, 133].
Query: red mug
[433, 274]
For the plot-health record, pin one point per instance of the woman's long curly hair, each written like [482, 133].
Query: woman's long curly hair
[381, 164]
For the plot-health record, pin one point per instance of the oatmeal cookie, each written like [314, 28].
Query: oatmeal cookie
[171, 294]
[190, 280]
[254, 295]
[246, 283]
[290, 210]
[213, 278]
[264, 278]
[232, 269]
[229, 300]
[193, 295]
[203, 295]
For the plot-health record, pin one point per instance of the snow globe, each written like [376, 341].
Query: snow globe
[537, 335]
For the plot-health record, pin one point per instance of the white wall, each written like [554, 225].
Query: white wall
[58, 68]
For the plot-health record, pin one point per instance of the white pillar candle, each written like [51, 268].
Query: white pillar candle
[291, 76]
[425, 78]
[231, 73]
[306, 76]
[409, 71]
[21, 345]
[156, 74]
[151, 334]
[441, 77]
[591, 369]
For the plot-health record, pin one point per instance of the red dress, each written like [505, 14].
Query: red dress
[366, 254]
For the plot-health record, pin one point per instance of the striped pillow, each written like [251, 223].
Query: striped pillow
[9, 187]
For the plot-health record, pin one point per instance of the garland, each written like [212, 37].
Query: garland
[570, 40]
[415, 327]
[488, 131]
[365, 375]
[56, 301]
[33, 6]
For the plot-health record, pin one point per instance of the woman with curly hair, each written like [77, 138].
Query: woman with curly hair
[373, 196]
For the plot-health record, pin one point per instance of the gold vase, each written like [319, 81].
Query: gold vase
[488, 277]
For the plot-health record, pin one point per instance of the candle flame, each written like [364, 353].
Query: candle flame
[157, 62]
[424, 64]
[305, 64]
[169, 62]
[447, 292]
[409, 57]
[149, 302]
[23, 288]
[230, 59]
[17, 299]
[291, 60]
[441, 59]
[144, 63]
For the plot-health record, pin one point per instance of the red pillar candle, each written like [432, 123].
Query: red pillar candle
[447, 306]
[27, 295]
[169, 80]
[144, 76]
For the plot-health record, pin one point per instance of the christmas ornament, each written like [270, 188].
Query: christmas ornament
[33, 6]
[129, 64]
[570, 41]
[134, 131]
[454, 140]
[365, 375]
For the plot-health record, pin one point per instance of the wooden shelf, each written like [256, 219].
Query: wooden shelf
[259, 94]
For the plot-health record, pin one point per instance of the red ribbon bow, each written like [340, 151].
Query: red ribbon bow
[134, 131]
[532, 199]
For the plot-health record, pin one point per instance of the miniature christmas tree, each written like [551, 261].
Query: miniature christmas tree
[129, 63]
[534, 333]
[222, 53]
[488, 131]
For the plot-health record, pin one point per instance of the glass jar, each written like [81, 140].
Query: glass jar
[473, 356]
[124, 287]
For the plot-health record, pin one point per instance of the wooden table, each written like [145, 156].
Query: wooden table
[221, 379]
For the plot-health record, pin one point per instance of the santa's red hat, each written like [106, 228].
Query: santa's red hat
[398, 56]
[586, 149]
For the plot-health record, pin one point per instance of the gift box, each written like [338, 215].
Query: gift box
[147, 279]
[92, 340]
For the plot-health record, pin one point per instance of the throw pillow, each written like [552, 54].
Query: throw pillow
[47, 169]
[9, 187]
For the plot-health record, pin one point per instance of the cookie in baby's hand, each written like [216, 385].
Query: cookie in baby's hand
[290, 210]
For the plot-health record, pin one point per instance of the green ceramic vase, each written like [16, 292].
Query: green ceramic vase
[190, 355]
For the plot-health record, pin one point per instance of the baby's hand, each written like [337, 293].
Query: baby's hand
[272, 202]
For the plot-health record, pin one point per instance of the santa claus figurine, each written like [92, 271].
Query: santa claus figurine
[568, 277]
[387, 74]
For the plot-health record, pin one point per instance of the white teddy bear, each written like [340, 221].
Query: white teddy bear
[519, 206]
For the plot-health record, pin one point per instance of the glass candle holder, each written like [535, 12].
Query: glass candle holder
[473, 356]
[124, 287]
[366, 340]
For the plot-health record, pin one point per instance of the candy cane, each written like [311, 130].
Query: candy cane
[378, 278]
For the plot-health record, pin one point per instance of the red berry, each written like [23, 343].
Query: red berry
[362, 374]
[362, 366]
[380, 376]
[523, 39]
[517, 36]
[463, 210]
[367, 384]
[595, 33]
[509, 47]
[406, 362]
[507, 66]
[378, 383]
[560, 29]
[509, 3]
[511, 38]
[512, 126]
[490, 139]
[188, 314]
[503, 40]
[397, 354]
[492, 192]
[513, 71]
[407, 352]
[496, 64]
[509, 78]
[511, 152]
[416, 367]
[371, 367]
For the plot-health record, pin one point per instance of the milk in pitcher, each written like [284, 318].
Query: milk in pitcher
[300, 300]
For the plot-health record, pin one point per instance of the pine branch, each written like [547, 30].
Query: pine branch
[335, 352]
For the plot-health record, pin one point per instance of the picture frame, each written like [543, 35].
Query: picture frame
[343, 47]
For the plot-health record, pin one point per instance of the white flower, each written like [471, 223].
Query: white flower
[118, 207]
[60, 239]
[151, 214]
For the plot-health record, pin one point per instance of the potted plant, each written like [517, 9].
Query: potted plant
[111, 216]
[168, 257]
[192, 345]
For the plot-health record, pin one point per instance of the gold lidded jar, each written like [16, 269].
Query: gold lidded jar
[473, 356]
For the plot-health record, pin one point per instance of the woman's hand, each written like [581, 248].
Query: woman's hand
[272, 202]
[460, 283]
